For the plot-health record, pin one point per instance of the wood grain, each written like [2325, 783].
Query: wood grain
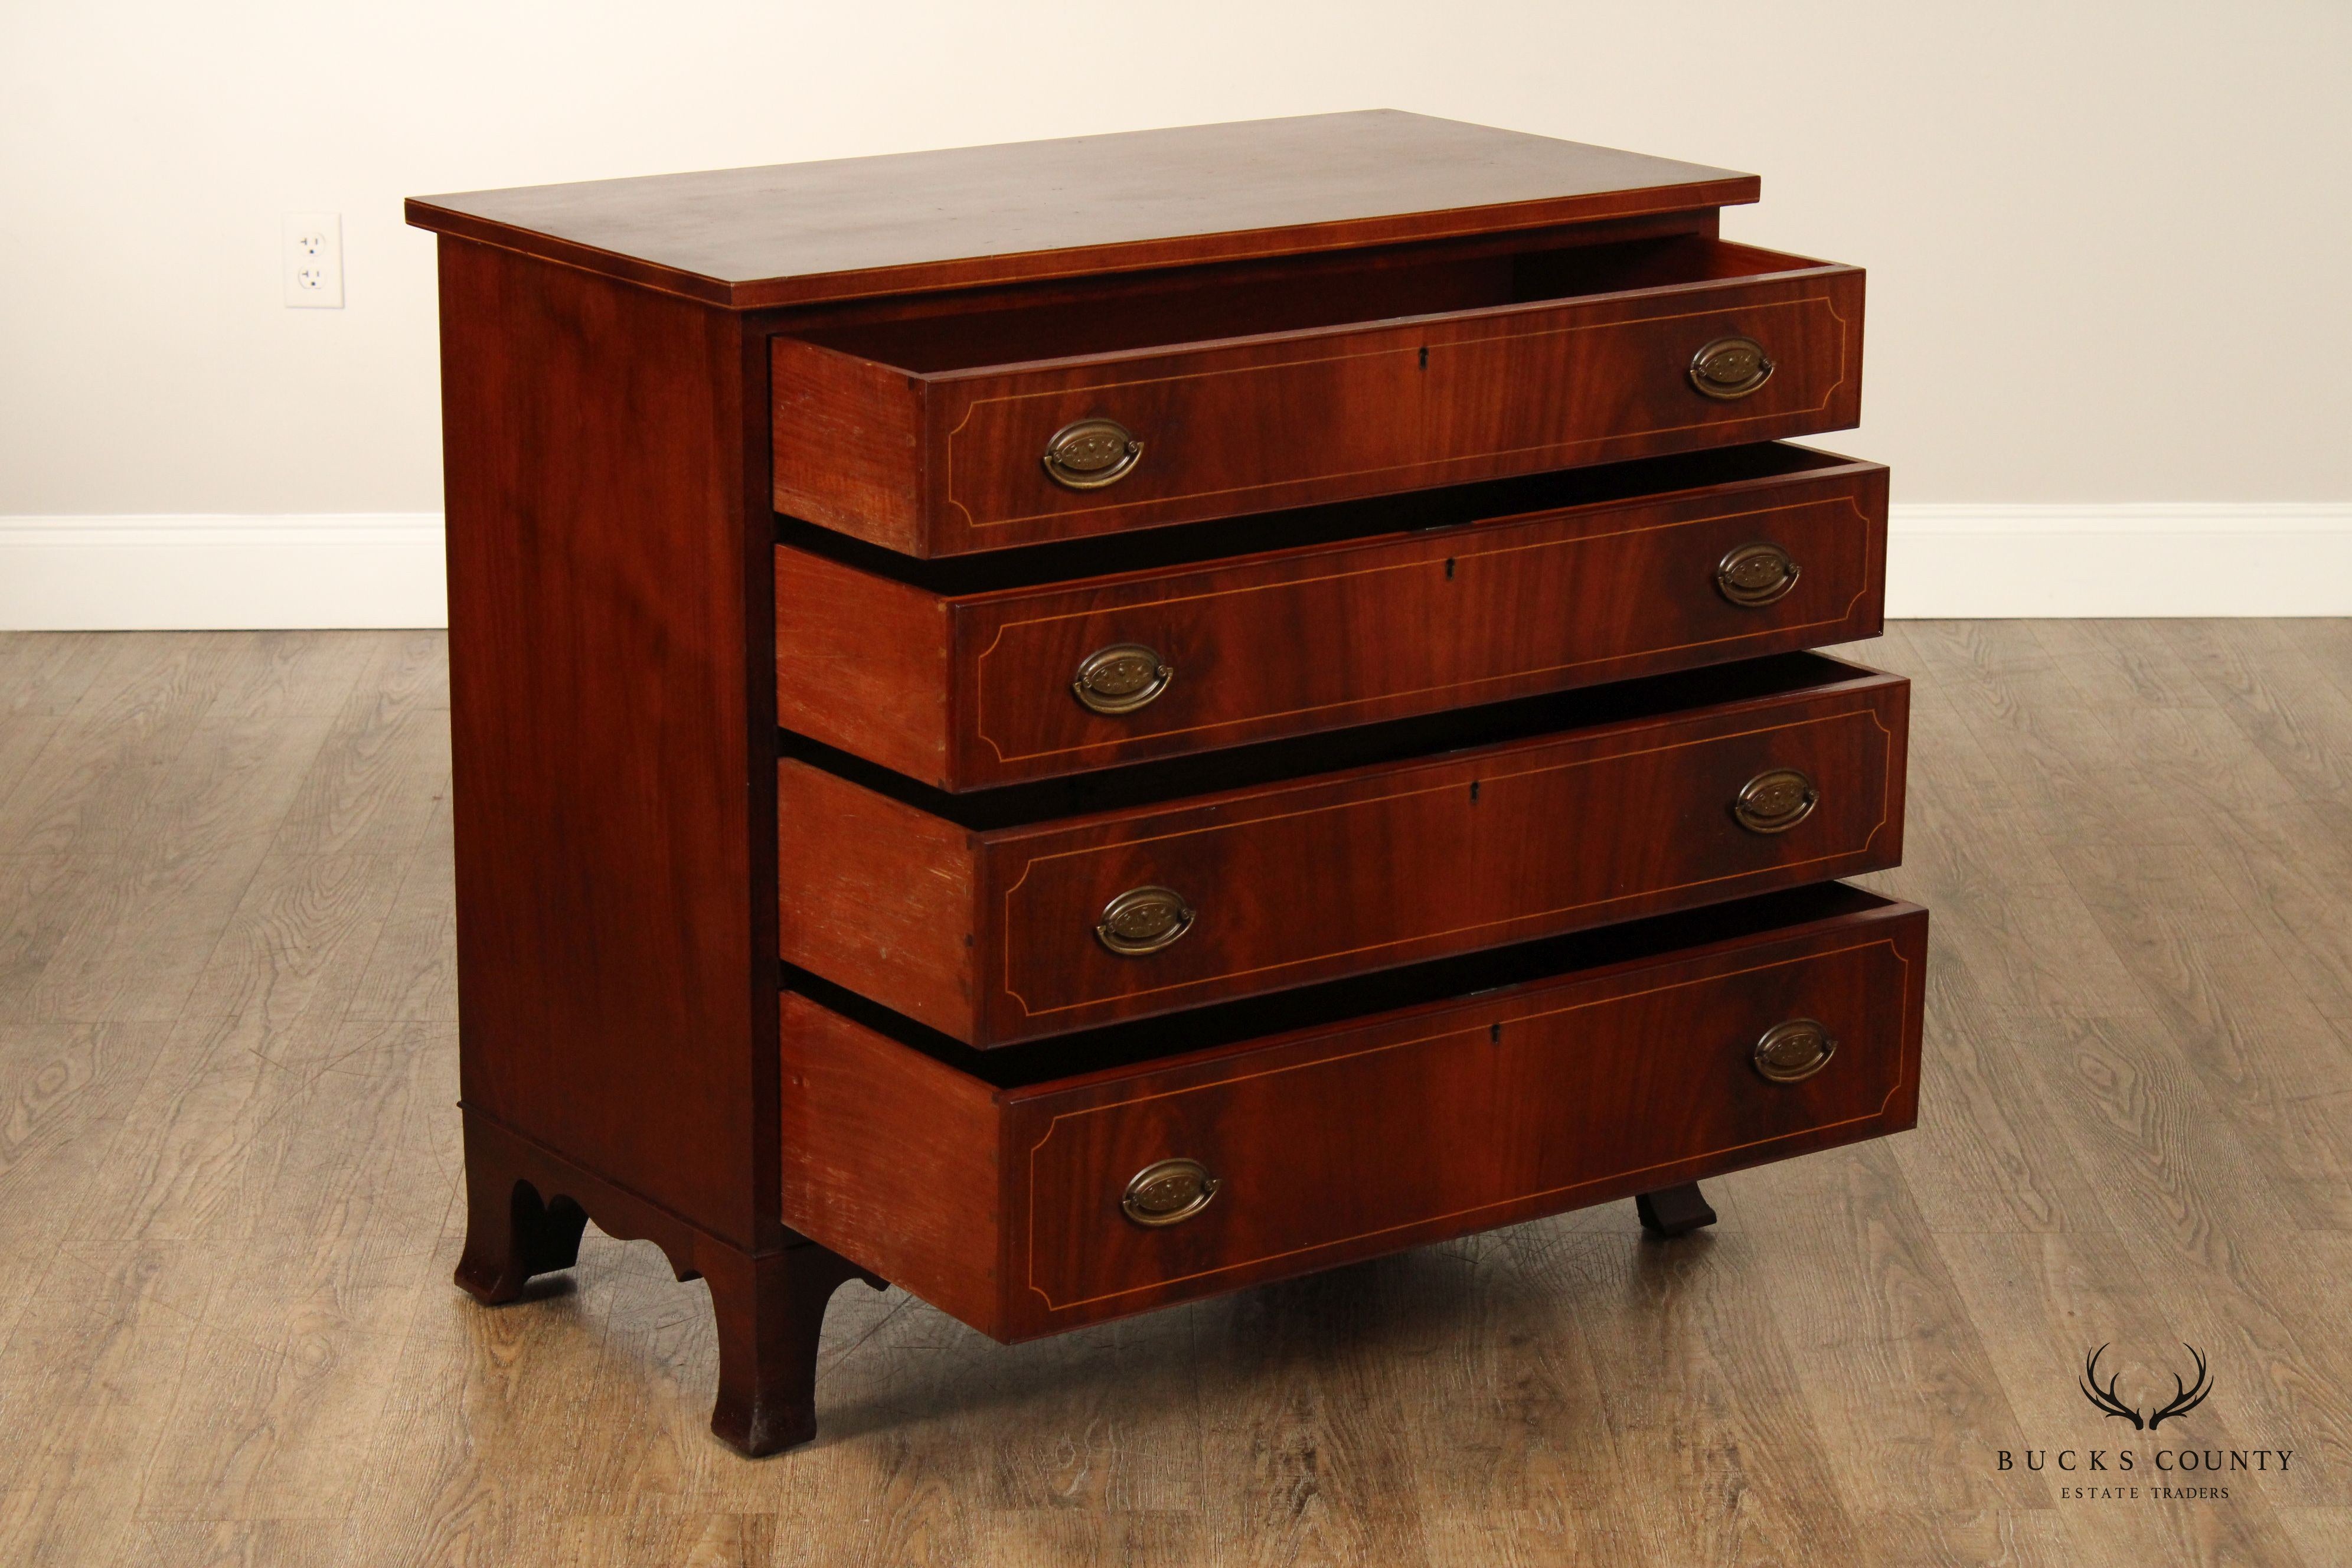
[989, 936]
[1554, 1094]
[966, 689]
[955, 218]
[1427, 387]
[601, 702]
[1558, 1390]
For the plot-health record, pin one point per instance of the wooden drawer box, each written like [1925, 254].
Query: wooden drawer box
[938, 435]
[1328, 1144]
[993, 923]
[1451, 812]
[1496, 591]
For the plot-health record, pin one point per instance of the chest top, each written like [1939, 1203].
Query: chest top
[853, 227]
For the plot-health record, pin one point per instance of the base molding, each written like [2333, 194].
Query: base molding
[2180, 559]
[206, 573]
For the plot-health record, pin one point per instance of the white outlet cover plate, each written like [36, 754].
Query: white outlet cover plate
[314, 261]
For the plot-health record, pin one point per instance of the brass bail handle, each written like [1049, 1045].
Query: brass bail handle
[1122, 678]
[1794, 1051]
[1088, 454]
[1169, 1192]
[1752, 575]
[1775, 800]
[1144, 920]
[1730, 368]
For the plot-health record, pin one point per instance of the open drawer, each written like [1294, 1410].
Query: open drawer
[990, 670]
[1040, 910]
[939, 435]
[1032, 1191]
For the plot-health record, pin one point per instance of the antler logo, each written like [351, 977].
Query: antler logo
[2185, 1398]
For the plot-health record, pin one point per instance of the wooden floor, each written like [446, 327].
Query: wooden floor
[228, 1198]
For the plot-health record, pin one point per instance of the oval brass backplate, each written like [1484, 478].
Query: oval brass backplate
[1754, 574]
[1775, 801]
[1794, 1051]
[1143, 920]
[1122, 678]
[1169, 1192]
[1730, 367]
[1087, 454]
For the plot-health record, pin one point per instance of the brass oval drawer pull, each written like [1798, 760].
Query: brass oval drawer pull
[1169, 1192]
[1794, 1051]
[1755, 575]
[1774, 801]
[1728, 368]
[1122, 678]
[1143, 920]
[1087, 454]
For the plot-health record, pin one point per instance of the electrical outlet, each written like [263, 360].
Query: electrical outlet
[314, 261]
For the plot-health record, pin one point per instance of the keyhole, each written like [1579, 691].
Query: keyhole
[1424, 356]
[1449, 569]
[1474, 792]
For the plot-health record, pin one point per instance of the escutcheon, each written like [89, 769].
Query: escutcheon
[1143, 920]
[1169, 1192]
[1794, 1051]
[1728, 368]
[1754, 575]
[1122, 678]
[1087, 454]
[1775, 801]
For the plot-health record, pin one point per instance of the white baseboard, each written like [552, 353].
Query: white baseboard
[2196, 559]
[201, 572]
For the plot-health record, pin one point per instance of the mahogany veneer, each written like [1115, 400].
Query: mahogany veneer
[1083, 724]
[1001, 1205]
[987, 933]
[1498, 591]
[1505, 364]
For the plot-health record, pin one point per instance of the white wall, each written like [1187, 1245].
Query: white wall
[2107, 242]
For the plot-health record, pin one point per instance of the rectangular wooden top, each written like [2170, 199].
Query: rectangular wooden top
[855, 227]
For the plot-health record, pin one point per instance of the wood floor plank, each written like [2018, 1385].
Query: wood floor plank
[1880, 1339]
[1990, 1152]
[115, 748]
[229, 1185]
[66, 1091]
[2061, 1298]
[301, 1342]
[2272, 679]
[1704, 1407]
[412, 972]
[45, 673]
[2181, 1186]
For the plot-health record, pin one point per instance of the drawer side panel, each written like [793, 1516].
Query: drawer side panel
[875, 895]
[847, 446]
[891, 1160]
[862, 663]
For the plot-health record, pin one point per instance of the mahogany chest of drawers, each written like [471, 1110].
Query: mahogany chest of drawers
[1078, 725]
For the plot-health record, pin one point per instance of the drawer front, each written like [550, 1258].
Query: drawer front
[1486, 1114]
[1308, 883]
[1347, 635]
[1597, 1070]
[943, 461]
[1430, 402]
